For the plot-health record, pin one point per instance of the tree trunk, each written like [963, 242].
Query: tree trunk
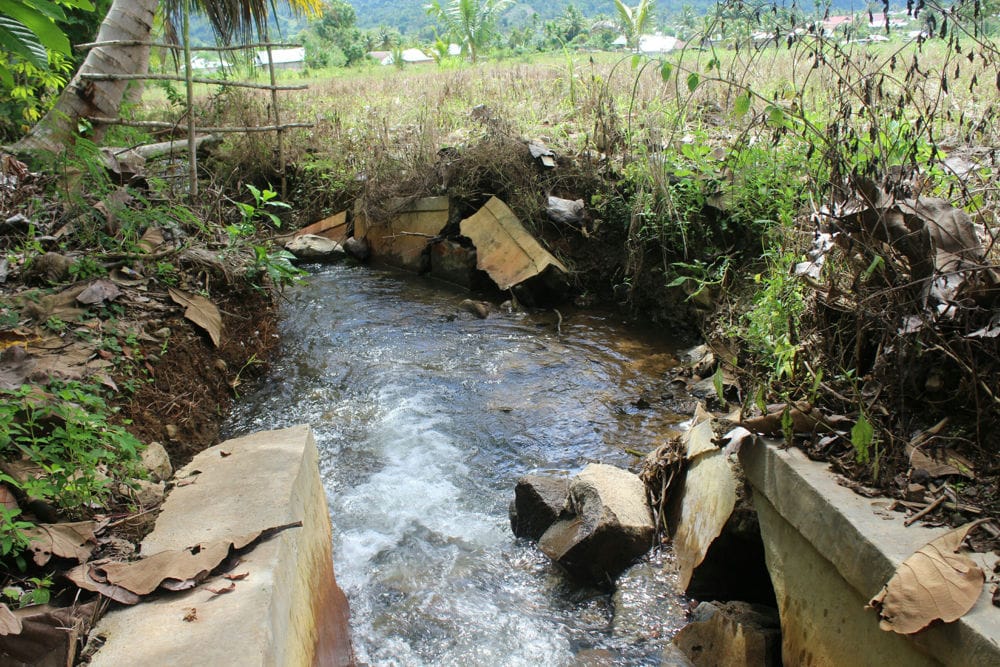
[126, 20]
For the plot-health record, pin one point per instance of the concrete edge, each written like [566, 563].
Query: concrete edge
[288, 611]
[865, 547]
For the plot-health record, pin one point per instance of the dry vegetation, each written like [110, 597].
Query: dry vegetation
[710, 174]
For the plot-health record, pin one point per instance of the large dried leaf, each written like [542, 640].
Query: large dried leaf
[86, 577]
[99, 291]
[935, 583]
[504, 248]
[804, 419]
[9, 623]
[178, 569]
[201, 311]
[708, 501]
[142, 577]
[940, 464]
[65, 540]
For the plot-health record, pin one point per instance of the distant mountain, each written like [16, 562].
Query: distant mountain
[409, 17]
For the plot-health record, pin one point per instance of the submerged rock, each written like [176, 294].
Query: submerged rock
[732, 633]
[538, 501]
[358, 248]
[607, 524]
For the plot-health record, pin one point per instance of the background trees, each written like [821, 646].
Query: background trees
[473, 23]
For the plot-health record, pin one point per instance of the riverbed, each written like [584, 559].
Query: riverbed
[425, 416]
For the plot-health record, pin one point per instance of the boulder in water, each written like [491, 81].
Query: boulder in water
[606, 525]
[538, 501]
[314, 248]
[358, 248]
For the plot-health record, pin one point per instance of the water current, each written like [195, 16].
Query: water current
[425, 417]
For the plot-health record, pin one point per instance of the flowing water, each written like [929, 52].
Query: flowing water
[425, 417]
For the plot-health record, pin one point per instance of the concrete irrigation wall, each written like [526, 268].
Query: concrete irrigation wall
[829, 551]
[288, 611]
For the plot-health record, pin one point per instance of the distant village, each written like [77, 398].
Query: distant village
[860, 28]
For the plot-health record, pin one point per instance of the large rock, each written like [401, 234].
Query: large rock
[606, 526]
[538, 501]
[156, 461]
[732, 633]
[314, 248]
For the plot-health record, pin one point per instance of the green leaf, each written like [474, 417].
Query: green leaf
[636, 59]
[742, 105]
[666, 69]
[40, 20]
[862, 436]
[775, 116]
[693, 81]
[717, 382]
[19, 40]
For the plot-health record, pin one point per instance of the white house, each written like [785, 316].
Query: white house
[651, 43]
[410, 57]
[294, 58]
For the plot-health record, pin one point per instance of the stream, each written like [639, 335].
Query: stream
[425, 417]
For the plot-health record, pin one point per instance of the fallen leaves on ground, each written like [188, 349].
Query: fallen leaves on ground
[935, 583]
[64, 540]
[174, 570]
[200, 311]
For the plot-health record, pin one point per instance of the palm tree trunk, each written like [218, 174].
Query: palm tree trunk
[127, 20]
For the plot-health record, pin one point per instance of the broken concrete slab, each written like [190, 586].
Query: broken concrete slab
[829, 551]
[504, 248]
[401, 242]
[288, 610]
[333, 228]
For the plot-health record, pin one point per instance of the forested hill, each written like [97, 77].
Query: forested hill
[409, 16]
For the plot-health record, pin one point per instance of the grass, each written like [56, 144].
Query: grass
[704, 166]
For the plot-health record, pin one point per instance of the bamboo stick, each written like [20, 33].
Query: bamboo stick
[195, 79]
[163, 125]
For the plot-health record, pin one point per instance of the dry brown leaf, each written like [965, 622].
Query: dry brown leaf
[709, 497]
[236, 577]
[946, 463]
[805, 419]
[201, 311]
[191, 615]
[7, 498]
[934, 583]
[222, 591]
[89, 578]
[65, 540]
[151, 240]
[99, 291]
[9, 623]
[142, 577]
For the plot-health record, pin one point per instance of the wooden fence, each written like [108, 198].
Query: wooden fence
[189, 80]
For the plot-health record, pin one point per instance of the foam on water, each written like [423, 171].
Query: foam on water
[424, 421]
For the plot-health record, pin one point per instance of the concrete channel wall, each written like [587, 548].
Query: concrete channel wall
[829, 551]
[288, 611]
